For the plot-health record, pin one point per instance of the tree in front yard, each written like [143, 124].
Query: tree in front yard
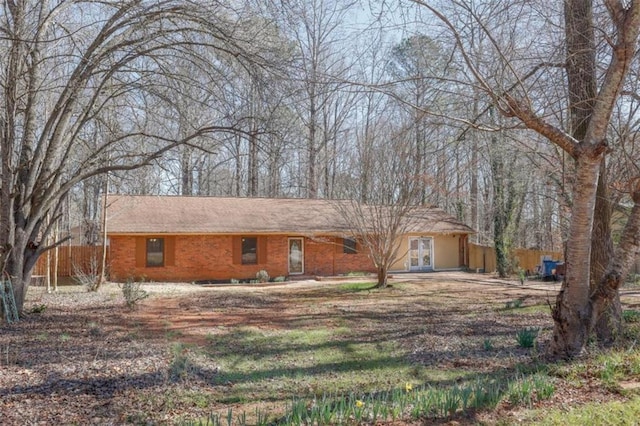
[393, 196]
[595, 47]
[87, 89]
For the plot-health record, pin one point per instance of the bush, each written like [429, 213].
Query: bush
[513, 304]
[133, 293]
[527, 337]
[89, 278]
[262, 276]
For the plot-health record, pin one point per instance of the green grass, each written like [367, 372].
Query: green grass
[526, 337]
[630, 315]
[335, 366]
[608, 367]
[611, 413]
[357, 287]
[277, 364]
[534, 309]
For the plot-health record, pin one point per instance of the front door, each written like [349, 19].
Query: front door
[420, 253]
[296, 256]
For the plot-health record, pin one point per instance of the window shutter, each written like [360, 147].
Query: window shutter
[236, 249]
[169, 251]
[262, 250]
[141, 252]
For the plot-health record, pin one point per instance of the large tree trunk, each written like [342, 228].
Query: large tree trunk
[571, 313]
[19, 266]
[606, 297]
[609, 322]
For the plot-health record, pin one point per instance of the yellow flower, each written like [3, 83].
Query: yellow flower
[408, 387]
[359, 404]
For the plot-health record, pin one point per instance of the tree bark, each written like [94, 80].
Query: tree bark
[382, 277]
[571, 313]
[609, 322]
[626, 253]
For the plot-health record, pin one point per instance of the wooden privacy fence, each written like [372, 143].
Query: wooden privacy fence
[71, 259]
[484, 258]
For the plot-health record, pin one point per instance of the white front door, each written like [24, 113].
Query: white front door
[420, 253]
[296, 255]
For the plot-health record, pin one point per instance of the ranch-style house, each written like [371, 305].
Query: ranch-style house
[178, 238]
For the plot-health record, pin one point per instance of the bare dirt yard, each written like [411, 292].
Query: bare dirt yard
[187, 351]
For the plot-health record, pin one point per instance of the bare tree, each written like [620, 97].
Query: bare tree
[521, 94]
[394, 195]
[316, 28]
[64, 76]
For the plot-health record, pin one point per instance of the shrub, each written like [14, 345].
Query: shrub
[133, 293]
[488, 345]
[89, 277]
[526, 337]
[181, 366]
[513, 304]
[38, 309]
[262, 276]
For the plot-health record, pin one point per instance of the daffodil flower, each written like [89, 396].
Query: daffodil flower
[359, 404]
[408, 387]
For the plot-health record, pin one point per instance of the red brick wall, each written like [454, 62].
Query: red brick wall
[210, 258]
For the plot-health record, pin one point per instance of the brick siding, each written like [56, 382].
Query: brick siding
[202, 257]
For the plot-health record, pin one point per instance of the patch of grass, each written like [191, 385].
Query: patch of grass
[175, 398]
[356, 274]
[356, 287]
[423, 403]
[633, 280]
[279, 364]
[526, 390]
[488, 345]
[613, 366]
[632, 316]
[526, 337]
[38, 309]
[534, 309]
[172, 334]
[609, 413]
[180, 363]
[513, 304]
[608, 367]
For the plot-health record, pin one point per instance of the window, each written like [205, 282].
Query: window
[249, 250]
[155, 251]
[349, 246]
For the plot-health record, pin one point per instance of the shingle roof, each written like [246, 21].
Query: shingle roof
[227, 215]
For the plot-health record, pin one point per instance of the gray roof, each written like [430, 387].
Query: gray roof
[228, 215]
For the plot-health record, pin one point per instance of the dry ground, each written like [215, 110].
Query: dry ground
[87, 359]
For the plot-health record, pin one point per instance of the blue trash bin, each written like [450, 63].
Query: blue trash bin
[549, 272]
